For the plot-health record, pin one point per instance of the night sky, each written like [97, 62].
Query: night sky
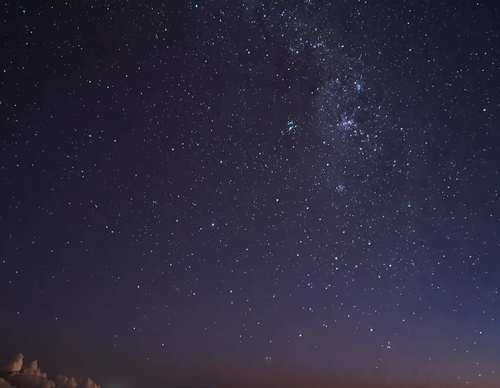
[252, 193]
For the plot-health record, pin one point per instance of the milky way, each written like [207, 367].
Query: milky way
[252, 189]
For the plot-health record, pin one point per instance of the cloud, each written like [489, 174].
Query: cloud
[4, 384]
[16, 364]
[32, 377]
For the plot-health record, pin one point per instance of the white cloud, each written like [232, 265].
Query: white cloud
[32, 377]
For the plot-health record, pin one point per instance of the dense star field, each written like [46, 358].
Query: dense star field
[252, 193]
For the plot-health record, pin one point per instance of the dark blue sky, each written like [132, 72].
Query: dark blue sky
[251, 193]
